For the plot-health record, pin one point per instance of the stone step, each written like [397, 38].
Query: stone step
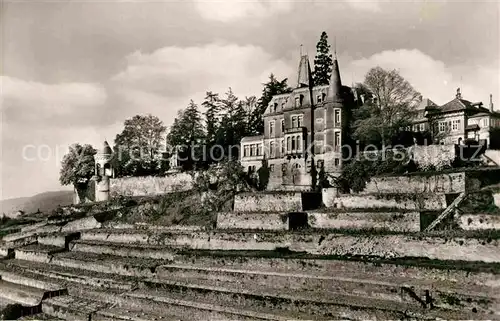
[104, 296]
[290, 303]
[399, 289]
[30, 236]
[58, 239]
[131, 250]
[37, 252]
[78, 308]
[71, 308]
[192, 286]
[22, 294]
[18, 276]
[339, 279]
[39, 317]
[335, 243]
[67, 277]
[465, 273]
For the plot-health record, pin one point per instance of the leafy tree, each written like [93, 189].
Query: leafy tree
[389, 109]
[78, 167]
[187, 135]
[322, 62]
[271, 88]
[138, 146]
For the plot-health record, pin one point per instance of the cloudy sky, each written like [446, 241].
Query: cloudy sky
[73, 71]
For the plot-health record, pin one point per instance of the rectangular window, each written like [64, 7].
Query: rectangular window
[422, 127]
[272, 149]
[337, 117]
[259, 150]
[282, 125]
[297, 102]
[271, 168]
[246, 150]
[455, 125]
[337, 162]
[318, 99]
[485, 122]
[253, 150]
[283, 146]
[442, 127]
[294, 121]
[271, 128]
[337, 141]
[299, 121]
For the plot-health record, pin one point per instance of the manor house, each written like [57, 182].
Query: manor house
[459, 119]
[304, 127]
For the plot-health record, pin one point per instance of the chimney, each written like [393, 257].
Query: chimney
[491, 102]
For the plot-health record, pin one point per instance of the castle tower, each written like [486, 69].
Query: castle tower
[335, 88]
[103, 171]
[304, 76]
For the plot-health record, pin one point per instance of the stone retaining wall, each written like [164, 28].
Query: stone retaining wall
[442, 183]
[390, 221]
[150, 185]
[479, 222]
[386, 246]
[426, 202]
[268, 202]
[257, 221]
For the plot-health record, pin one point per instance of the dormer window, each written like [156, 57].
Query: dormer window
[275, 107]
[301, 99]
[297, 102]
[318, 99]
[323, 96]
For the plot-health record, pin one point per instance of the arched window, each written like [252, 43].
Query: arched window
[293, 143]
[298, 143]
[288, 144]
[297, 166]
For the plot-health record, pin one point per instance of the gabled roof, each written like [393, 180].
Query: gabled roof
[252, 138]
[459, 104]
[426, 102]
[456, 105]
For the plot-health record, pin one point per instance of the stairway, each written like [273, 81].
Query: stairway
[89, 270]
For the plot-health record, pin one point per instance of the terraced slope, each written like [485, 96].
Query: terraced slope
[132, 273]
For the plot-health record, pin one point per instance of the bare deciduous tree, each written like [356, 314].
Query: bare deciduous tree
[390, 108]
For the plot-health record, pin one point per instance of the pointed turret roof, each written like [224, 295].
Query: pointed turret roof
[106, 149]
[305, 74]
[335, 88]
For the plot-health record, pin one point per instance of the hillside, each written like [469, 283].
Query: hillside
[44, 202]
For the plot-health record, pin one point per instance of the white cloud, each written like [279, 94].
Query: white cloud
[165, 80]
[34, 102]
[365, 5]
[433, 78]
[233, 10]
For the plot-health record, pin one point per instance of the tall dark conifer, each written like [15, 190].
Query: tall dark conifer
[322, 62]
